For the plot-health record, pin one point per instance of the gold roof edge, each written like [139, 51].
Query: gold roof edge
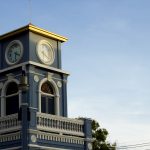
[34, 29]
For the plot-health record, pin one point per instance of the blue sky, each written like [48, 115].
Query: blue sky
[107, 55]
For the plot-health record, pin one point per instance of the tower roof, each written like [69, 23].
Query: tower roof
[34, 29]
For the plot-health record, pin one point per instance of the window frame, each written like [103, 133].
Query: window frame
[56, 95]
[4, 96]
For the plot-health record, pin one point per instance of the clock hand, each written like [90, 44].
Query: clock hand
[45, 55]
[16, 54]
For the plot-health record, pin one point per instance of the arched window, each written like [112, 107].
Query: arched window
[47, 98]
[11, 98]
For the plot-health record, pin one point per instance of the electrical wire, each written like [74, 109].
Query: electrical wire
[133, 145]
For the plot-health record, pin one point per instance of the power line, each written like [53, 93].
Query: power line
[133, 145]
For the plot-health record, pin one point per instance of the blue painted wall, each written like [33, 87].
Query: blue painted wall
[24, 38]
[31, 97]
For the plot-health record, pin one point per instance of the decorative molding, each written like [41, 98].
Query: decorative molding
[10, 76]
[53, 123]
[59, 84]
[10, 137]
[42, 75]
[13, 67]
[36, 78]
[37, 30]
[48, 67]
[13, 77]
[32, 131]
[90, 146]
[33, 138]
[49, 76]
[40, 135]
[9, 123]
[35, 64]
[60, 138]
[44, 147]
[36, 73]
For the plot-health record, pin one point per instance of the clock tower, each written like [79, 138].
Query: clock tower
[33, 94]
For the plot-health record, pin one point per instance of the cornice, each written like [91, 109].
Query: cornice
[34, 29]
[34, 64]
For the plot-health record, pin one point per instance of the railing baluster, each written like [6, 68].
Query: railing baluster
[60, 124]
[9, 122]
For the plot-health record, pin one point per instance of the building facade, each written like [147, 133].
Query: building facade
[33, 94]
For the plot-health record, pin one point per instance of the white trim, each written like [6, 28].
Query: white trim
[13, 67]
[7, 49]
[13, 148]
[3, 91]
[48, 67]
[4, 79]
[35, 73]
[45, 147]
[11, 129]
[35, 64]
[47, 94]
[12, 95]
[56, 91]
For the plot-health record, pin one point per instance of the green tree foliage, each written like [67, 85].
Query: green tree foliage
[99, 138]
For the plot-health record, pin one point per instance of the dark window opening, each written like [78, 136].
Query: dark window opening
[12, 105]
[12, 88]
[12, 99]
[47, 105]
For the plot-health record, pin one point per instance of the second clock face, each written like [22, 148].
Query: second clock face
[45, 52]
[14, 52]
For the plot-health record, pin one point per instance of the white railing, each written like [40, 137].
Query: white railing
[60, 138]
[62, 125]
[10, 137]
[9, 123]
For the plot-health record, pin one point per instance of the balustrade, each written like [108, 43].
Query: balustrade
[10, 137]
[9, 123]
[59, 124]
[60, 138]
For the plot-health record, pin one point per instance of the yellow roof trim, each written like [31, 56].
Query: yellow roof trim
[37, 30]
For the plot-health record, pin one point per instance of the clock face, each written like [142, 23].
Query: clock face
[45, 52]
[14, 52]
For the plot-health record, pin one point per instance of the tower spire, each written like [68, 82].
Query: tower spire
[30, 12]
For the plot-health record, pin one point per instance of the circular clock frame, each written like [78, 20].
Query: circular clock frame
[8, 49]
[47, 57]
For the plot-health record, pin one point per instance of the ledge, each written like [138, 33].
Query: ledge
[35, 64]
[34, 29]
